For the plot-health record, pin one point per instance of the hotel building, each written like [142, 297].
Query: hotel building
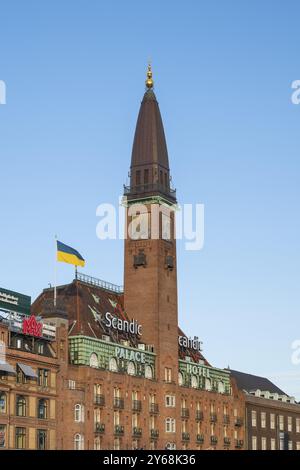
[132, 379]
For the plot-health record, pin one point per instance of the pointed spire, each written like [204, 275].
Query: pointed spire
[150, 173]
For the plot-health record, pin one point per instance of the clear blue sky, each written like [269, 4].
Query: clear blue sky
[75, 74]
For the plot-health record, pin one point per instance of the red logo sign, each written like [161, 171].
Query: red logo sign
[32, 327]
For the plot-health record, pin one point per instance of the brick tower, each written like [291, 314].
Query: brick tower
[150, 280]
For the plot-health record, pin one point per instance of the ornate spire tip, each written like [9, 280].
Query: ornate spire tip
[149, 81]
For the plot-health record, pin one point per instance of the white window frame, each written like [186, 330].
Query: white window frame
[131, 369]
[78, 442]
[272, 421]
[170, 401]
[149, 372]
[253, 418]
[94, 361]
[273, 443]
[113, 364]
[170, 425]
[79, 413]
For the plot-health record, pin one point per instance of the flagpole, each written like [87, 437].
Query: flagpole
[77, 298]
[55, 271]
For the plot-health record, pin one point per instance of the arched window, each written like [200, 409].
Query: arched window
[78, 442]
[180, 379]
[194, 381]
[131, 368]
[148, 372]
[221, 387]
[2, 402]
[94, 360]
[97, 389]
[113, 366]
[20, 406]
[97, 443]
[42, 409]
[79, 413]
[208, 384]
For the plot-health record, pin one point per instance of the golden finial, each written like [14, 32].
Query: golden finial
[149, 81]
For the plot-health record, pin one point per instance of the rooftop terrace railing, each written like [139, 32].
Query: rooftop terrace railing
[93, 281]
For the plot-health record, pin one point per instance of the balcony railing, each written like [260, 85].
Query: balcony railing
[119, 430]
[226, 441]
[213, 417]
[185, 412]
[99, 428]
[199, 415]
[153, 408]
[136, 432]
[239, 422]
[185, 436]
[226, 419]
[119, 403]
[154, 433]
[136, 405]
[200, 438]
[99, 400]
[213, 440]
[149, 188]
[239, 443]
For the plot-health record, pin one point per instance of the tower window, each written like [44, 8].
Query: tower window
[138, 178]
[161, 177]
[146, 176]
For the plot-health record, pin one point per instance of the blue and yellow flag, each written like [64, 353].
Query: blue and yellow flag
[66, 254]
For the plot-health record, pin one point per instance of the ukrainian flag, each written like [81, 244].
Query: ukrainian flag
[66, 254]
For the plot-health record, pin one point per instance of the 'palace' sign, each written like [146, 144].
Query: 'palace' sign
[130, 355]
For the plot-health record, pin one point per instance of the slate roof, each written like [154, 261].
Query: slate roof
[250, 383]
[149, 145]
[93, 304]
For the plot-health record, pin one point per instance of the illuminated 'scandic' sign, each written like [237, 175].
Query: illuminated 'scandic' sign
[191, 343]
[123, 325]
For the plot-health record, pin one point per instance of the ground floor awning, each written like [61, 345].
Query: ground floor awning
[27, 370]
[4, 367]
